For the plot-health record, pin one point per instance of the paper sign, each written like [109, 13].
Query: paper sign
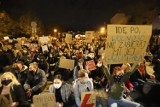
[126, 43]
[18, 46]
[88, 99]
[89, 35]
[68, 39]
[66, 63]
[44, 48]
[44, 40]
[91, 65]
[44, 100]
[5, 47]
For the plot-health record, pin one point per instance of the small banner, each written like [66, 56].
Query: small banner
[66, 63]
[68, 39]
[89, 35]
[44, 40]
[44, 100]
[88, 99]
[91, 65]
[44, 48]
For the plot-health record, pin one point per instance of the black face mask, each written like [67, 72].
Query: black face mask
[117, 78]
[6, 82]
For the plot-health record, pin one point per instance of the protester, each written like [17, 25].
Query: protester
[9, 86]
[98, 76]
[82, 84]
[44, 65]
[140, 76]
[63, 92]
[80, 66]
[36, 80]
[20, 71]
[116, 82]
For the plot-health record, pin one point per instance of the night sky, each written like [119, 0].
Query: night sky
[72, 14]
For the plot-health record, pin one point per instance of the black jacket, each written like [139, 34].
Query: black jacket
[18, 94]
[35, 81]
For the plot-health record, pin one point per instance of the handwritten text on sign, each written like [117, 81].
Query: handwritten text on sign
[126, 43]
[44, 100]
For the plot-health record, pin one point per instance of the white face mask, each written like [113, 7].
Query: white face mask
[57, 86]
[99, 65]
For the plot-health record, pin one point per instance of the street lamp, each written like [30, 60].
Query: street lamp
[55, 30]
[102, 30]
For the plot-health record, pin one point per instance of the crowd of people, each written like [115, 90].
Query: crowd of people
[25, 73]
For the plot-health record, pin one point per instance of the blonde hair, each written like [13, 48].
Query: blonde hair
[14, 79]
[82, 73]
[34, 64]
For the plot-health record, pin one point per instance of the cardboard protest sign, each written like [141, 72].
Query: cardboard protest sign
[68, 38]
[91, 65]
[89, 35]
[88, 99]
[18, 46]
[126, 43]
[66, 63]
[44, 40]
[5, 47]
[19, 40]
[6, 38]
[44, 100]
[44, 48]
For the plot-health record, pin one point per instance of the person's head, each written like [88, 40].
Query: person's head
[83, 75]
[33, 66]
[19, 64]
[8, 79]
[126, 67]
[57, 81]
[118, 71]
[42, 58]
[141, 67]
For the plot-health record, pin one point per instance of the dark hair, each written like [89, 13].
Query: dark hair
[58, 76]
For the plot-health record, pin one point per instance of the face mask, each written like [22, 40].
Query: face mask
[86, 80]
[6, 82]
[25, 51]
[117, 78]
[57, 86]
[99, 65]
